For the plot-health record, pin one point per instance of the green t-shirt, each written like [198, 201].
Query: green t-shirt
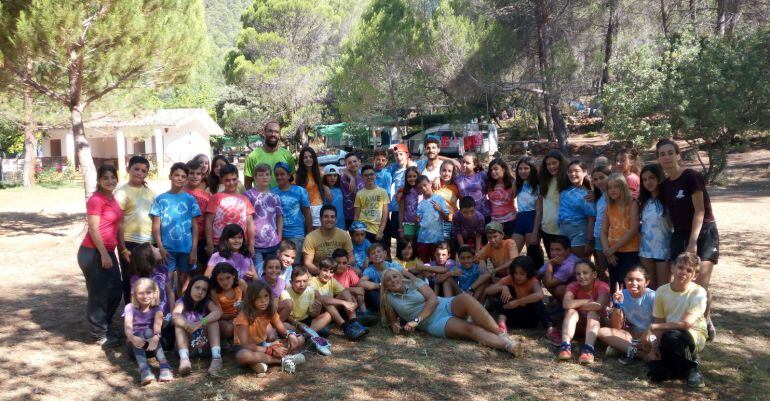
[259, 155]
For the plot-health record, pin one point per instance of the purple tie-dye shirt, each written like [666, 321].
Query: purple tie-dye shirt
[267, 208]
[474, 185]
[348, 197]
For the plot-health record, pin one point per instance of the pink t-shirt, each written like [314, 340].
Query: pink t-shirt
[633, 184]
[229, 208]
[348, 278]
[502, 203]
[599, 287]
[110, 214]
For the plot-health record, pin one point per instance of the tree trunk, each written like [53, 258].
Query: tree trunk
[83, 151]
[692, 12]
[664, 17]
[721, 14]
[560, 127]
[543, 51]
[30, 140]
[608, 39]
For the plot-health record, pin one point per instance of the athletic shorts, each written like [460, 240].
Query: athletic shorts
[524, 223]
[708, 242]
[179, 261]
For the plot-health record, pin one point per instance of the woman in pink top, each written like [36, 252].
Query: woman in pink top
[97, 259]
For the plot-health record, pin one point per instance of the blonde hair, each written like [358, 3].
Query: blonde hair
[145, 282]
[625, 193]
[384, 302]
[688, 259]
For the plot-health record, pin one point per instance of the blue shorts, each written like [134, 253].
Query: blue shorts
[435, 325]
[576, 232]
[180, 261]
[525, 222]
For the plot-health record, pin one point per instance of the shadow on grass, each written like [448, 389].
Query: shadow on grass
[745, 247]
[17, 224]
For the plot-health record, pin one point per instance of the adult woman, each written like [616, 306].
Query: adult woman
[309, 177]
[97, 259]
[412, 299]
[688, 206]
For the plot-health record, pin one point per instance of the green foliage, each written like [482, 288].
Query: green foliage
[11, 138]
[53, 178]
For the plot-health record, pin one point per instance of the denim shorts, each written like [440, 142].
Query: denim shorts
[435, 324]
[524, 223]
[576, 232]
[179, 261]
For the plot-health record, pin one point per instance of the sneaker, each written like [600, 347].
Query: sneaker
[553, 336]
[321, 345]
[259, 368]
[587, 356]
[695, 379]
[289, 363]
[184, 367]
[353, 331]
[165, 375]
[711, 330]
[145, 376]
[611, 352]
[630, 355]
[108, 342]
[565, 352]
[367, 318]
[215, 367]
[361, 328]
[503, 327]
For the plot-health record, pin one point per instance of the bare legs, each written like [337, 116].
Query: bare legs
[571, 319]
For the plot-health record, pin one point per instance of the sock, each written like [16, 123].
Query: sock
[216, 352]
[184, 353]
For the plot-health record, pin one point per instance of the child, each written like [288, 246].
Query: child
[620, 229]
[518, 299]
[372, 274]
[297, 221]
[437, 272]
[287, 253]
[583, 302]
[229, 207]
[193, 327]
[331, 180]
[654, 247]
[448, 191]
[631, 315]
[204, 162]
[277, 284]
[306, 307]
[257, 315]
[599, 179]
[216, 178]
[371, 207]
[350, 183]
[625, 164]
[334, 296]
[146, 263]
[197, 188]
[432, 212]
[227, 292]
[406, 255]
[408, 199]
[576, 214]
[361, 245]
[465, 276]
[552, 177]
[309, 178]
[347, 276]
[471, 182]
[468, 224]
[530, 209]
[679, 324]
[233, 251]
[142, 324]
[174, 228]
[268, 216]
[559, 271]
[501, 195]
[497, 254]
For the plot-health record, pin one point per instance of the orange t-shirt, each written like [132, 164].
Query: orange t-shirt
[229, 310]
[522, 290]
[451, 195]
[312, 191]
[618, 225]
[498, 256]
[257, 328]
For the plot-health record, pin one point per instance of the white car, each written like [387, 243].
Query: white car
[332, 156]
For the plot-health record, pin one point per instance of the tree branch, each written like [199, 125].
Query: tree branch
[26, 80]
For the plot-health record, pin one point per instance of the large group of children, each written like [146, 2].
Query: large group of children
[212, 265]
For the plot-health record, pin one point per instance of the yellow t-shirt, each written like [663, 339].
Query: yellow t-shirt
[371, 201]
[550, 223]
[322, 247]
[451, 195]
[673, 306]
[136, 204]
[301, 309]
[332, 288]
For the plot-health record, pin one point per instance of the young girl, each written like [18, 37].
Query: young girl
[584, 301]
[620, 229]
[233, 250]
[530, 209]
[215, 180]
[576, 214]
[195, 319]
[146, 263]
[258, 314]
[431, 215]
[309, 177]
[205, 163]
[654, 249]
[472, 182]
[599, 179]
[406, 254]
[501, 195]
[227, 292]
[448, 190]
[277, 286]
[142, 324]
[331, 180]
[631, 315]
[552, 176]
[625, 163]
[408, 199]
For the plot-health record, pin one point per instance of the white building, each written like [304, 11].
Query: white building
[162, 136]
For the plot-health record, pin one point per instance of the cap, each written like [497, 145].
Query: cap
[493, 227]
[401, 147]
[358, 226]
[331, 169]
[284, 166]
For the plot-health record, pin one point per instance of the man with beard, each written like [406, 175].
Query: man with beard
[270, 153]
[323, 241]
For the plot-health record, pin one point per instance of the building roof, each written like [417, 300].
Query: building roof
[152, 119]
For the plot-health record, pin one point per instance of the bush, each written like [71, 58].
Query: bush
[9, 184]
[52, 178]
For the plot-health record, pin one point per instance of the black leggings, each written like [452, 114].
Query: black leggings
[677, 356]
[104, 290]
[523, 317]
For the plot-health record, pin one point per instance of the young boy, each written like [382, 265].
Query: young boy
[198, 191]
[436, 273]
[361, 245]
[228, 207]
[432, 212]
[371, 207]
[295, 204]
[307, 306]
[287, 253]
[350, 183]
[350, 279]
[468, 224]
[465, 276]
[496, 256]
[560, 269]
[679, 325]
[174, 228]
[372, 278]
[269, 222]
[335, 298]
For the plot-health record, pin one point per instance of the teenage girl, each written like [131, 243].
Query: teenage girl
[408, 199]
[406, 255]
[472, 182]
[501, 195]
[530, 209]
[309, 177]
[195, 318]
[625, 163]
[331, 180]
[143, 318]
[448, 190]
[277, 285]
[258, 314]
[576, 213]
[552, 176]
[654, 249]
[233, 250]
[227, 292]
[599, 179]
[215, 178]
[620, 229]
[146, 263]
[205, 163]
[583, 303]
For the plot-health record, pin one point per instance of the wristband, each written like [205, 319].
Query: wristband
[616, 305]
[204, 322]
[125, 251]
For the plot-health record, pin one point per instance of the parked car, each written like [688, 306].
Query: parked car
[332, 156]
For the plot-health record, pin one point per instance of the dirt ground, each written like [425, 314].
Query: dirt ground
[45, 353]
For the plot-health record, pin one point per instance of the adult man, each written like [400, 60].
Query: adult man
[431, 167]
[322, 242]
[271, 153]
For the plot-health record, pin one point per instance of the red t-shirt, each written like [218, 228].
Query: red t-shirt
[348, 278]
[599, 287]
[227, 209]
[202, 197]
[110, 214]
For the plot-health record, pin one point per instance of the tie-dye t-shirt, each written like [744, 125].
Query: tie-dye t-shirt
[348, 197]
[267, 208]
[292, 202]
[474, 185]
[176, 213]
[227, 209]
[136, 203]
